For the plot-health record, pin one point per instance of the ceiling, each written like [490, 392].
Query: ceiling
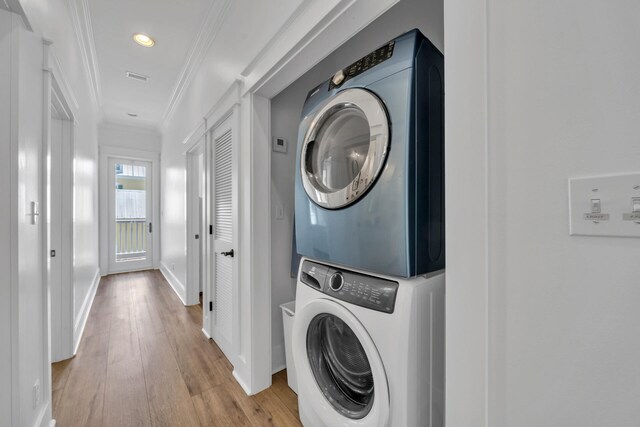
[176, 26]
[214, 40]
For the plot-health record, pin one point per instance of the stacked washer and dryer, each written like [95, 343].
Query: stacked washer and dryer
[368, 335]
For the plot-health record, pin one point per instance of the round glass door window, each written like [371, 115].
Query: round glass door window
[340, 366]
[345, 148]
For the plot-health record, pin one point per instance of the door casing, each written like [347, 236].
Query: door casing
[105, 153]
[58, 231]
[195, 221]
[231, 349]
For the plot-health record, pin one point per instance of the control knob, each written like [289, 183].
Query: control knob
[336, 281]
[338, 78]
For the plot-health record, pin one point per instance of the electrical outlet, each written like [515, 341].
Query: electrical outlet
[36, 394]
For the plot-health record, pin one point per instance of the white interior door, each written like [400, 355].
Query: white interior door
[54, 235]
[223, 213]
[195, 194]
[130, 215]
[59, 232]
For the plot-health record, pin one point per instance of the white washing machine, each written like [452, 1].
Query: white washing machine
[368, 350]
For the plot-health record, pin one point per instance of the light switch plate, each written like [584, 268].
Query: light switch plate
[615, 217]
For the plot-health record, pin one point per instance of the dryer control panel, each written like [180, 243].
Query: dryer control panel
[363, 64]
[355, 288]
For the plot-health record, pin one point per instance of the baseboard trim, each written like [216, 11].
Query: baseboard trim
[278, 357]
[278, 369]
[175, 284]
[81, 322]
[41, 420]
[52, 423]
[206, 334]
[240, 381]
[130, 270]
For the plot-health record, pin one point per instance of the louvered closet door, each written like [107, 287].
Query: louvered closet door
[224, 292]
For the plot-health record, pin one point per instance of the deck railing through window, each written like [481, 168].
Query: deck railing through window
[131, 238]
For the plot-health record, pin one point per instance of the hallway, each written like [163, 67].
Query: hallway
[143, 361]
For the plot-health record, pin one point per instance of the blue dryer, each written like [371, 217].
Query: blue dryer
[369, 190]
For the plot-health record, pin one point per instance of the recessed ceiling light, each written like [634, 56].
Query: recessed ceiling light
[132, 115]
[143, 40]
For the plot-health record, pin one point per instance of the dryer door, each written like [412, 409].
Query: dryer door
[345, 148]
[340, 373]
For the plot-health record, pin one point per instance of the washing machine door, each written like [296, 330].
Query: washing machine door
[340, 374]
[345, 148]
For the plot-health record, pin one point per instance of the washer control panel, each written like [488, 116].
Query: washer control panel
[355, 288]
[363, 64]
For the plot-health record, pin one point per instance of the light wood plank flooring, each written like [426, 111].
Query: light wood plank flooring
[143, 361]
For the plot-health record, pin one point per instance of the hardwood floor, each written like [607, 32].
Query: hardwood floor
[143, 361]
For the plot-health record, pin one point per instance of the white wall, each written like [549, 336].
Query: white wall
[27, 259]
[50, 19]
[559, 317]
[5, 214]
[286, 108]
[116, 135]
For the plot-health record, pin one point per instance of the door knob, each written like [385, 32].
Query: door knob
[230, 253]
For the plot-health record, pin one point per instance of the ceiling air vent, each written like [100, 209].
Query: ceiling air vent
[136, 76]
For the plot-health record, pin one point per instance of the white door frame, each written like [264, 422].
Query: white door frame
[227, 110]
[195, 222]
[106, 153]
[319, 28]
[468, 251]
[148, 231]
[60, 293]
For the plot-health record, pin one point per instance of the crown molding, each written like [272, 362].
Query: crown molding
[15, 7]
[83, 29]
[209, 30]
